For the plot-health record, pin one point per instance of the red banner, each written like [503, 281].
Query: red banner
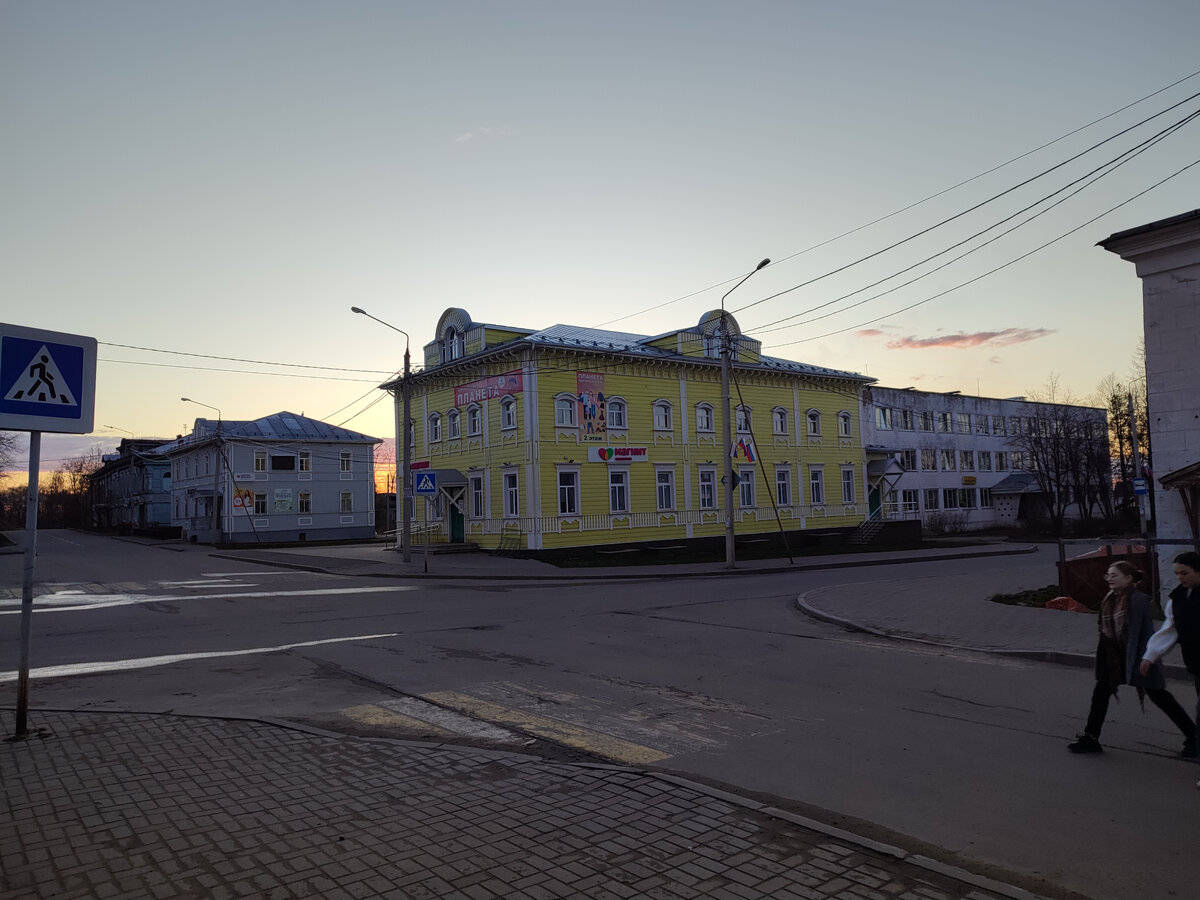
[489, 388]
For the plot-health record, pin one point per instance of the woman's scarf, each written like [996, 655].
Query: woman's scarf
[1114, 635]
[1114, 629]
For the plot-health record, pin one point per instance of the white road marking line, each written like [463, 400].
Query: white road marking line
[82, 601]
[148, 662]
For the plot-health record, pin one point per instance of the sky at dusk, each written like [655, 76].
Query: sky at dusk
[207, 188]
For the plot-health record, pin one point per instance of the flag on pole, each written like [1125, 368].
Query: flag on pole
[745, 448]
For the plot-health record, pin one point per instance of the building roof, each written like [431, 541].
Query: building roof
[1017, 483]
[578, 337]
[280, 426]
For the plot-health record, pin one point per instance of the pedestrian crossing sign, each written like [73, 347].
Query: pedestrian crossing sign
[426, 483]
[47, 380]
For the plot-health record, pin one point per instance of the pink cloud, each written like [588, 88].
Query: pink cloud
[962, 340]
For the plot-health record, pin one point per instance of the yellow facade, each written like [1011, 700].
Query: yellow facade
[582, 438]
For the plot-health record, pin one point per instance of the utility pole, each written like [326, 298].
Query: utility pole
[403, 485]
[726, 424]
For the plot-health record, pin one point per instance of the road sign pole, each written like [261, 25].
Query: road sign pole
[31, 511]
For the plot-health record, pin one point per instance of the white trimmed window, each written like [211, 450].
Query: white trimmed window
[662, 415]
[708, 488]
[814, 423]
[816, 485]
[664, 483]
[453, 425]
[746, 497]
[616, 414]
[704, 418]
[475, 489]
[305, 460]
[260, 460]
[512, 495]
[618, 491]
[344, 461]
[743, 420]
[564, 412]
[844, 424]
[847, 485]
[779, 421]
[474, 420]
[304, 503]
[508, 414]
[434, 428]
[347, 502]
[783, 486]
[568, 492]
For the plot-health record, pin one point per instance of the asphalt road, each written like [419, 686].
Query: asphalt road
[721, 679]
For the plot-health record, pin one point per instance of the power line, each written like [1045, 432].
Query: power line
[259, 362]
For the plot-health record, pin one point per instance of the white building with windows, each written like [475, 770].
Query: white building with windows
[957, 463]
[280, 479]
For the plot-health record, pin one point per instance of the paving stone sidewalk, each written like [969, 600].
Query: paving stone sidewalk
[137, 806]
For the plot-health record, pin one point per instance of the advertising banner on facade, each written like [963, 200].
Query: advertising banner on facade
[617, 454]
[243, 498]
[489, 388]
[593, 418]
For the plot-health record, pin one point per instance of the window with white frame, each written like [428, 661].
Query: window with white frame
[260, 460]
[779, 421]
[453, 426]
[883, 418]
[564, 412]
[662, 415]
[931, 498]
[568, 492]
[783, 486]
[305, 460]
[950, 498]
[618, 491]
[814, 423]
[966, 498]
[260, 504]
[966, 460]
[847, 485]
[904, 419]
[843, 424]
[452, 345]
[746, 488]
[925, 421]
[347, 502]
[1001, 461]
[704, 418]
[664, 483]
[434, 429]
[478, 498]
[908, 500]
[985, 460]
[508, 414]
[708, 488]
[512, 496]
[344, 461]
[304, 503]
[743, 420]
[964, 423]
[928, 460]
[908, 460]
[474, 420]
[616, 414]
[948, 461]
[816, 485]
[985, 498]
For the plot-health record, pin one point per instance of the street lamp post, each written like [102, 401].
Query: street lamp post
[216, 515]
[726, 365]
[401, 439]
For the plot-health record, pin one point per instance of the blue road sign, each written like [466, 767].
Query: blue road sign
[47, 380]
[1140, 486]
[426, 482]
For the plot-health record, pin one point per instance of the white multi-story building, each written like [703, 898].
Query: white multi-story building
[1167, 256]
[957, 463]
[281, 478]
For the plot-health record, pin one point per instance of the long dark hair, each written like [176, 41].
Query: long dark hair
[1189, 558]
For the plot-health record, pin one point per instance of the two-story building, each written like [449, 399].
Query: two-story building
[131, 491]
[281, 478]
[579, 437]
[963, 463]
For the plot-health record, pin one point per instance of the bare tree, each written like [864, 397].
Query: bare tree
[1065, 446]
[8, 453]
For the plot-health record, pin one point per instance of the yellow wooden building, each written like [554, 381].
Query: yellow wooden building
[578, 437]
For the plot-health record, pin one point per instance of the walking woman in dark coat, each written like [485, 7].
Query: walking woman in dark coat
[1125, 627]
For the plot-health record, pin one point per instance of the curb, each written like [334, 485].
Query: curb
[334, 566]
[518, 758]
